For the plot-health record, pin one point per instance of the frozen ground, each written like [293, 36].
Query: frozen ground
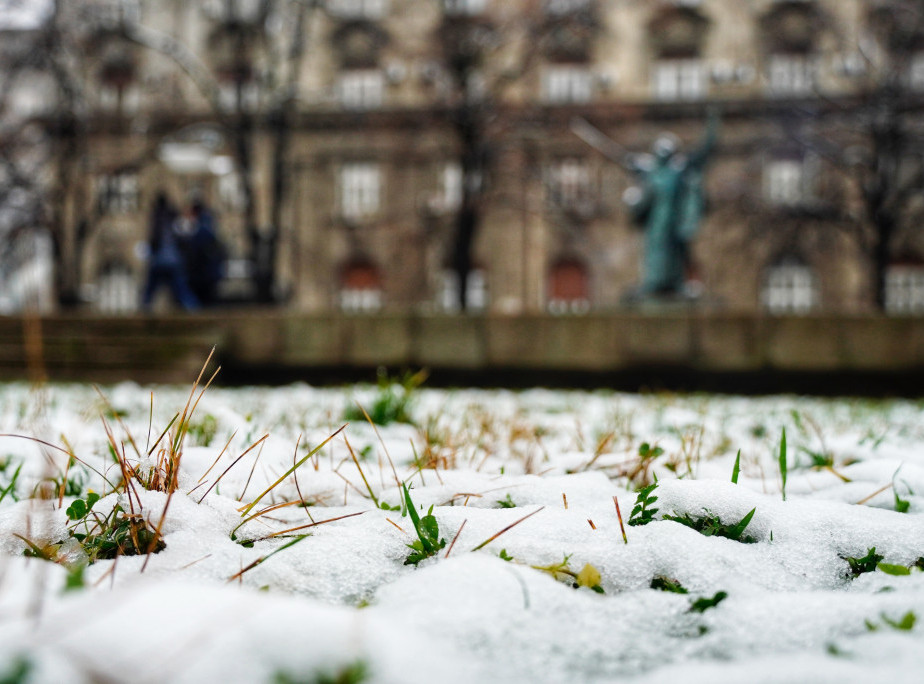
[342, 606]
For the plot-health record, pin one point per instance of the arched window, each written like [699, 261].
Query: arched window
[677, 34]
[789, 286]
[360, 287]
[569, 290]
[790, 32]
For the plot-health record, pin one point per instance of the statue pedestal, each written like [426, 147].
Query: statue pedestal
[672, 302]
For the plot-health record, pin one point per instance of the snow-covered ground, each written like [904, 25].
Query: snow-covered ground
[342, 605]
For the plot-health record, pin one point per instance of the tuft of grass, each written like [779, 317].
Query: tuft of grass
[506, 502]
[354, 673]
[116, 534]
[711, 526]
[641, 513]
[202, 431]
[428, 542]
[863, 564]
[393, 402]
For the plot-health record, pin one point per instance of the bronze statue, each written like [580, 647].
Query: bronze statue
[668, 201]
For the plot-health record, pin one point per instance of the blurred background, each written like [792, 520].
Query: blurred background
[429, 158]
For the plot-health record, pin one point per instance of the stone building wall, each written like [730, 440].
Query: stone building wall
[637, 69]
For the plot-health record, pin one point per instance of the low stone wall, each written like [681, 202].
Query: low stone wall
[284, 345]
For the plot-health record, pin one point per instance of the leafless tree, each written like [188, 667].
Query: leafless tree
[873, 134]
[250, 82]
[484, 56]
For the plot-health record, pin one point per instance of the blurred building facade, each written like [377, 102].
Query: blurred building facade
[328, 138]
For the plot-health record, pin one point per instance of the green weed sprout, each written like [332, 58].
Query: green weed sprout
[428, 542]
[710, 526]
[641, 513]
[116, 534]
[506, 502]
[862, 564]
[393, 402]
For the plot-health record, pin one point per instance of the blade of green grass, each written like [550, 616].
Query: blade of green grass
[783, 465]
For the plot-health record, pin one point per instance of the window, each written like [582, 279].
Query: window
[476, 291]
[568, 85]
[464, 6]
[361, 89]
[360, 288]
[790, 74]
[451, 187]
[790, 287]
[679, 79]
[904, 289]
[358, 9]
[569, 183]
[116, 290]
[117, 193]
[788, 182]
[568, 288]
[360, 186]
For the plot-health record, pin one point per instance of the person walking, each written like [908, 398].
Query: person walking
[165, 258]
[206, 254]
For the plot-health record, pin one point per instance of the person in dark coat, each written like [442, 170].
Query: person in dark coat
[206, 254]
[165, 259]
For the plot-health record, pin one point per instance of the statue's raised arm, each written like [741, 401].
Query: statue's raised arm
[700, 155]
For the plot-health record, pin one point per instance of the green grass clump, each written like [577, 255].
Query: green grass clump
[862, 564]
[641, 513]
[506, 502]
[354, 673]
[428, 542]
[393, 402]
[202, 431]
[710, 526]
[116, 534]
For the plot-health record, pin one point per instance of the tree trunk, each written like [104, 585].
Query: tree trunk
[880, 261]
[468, 219]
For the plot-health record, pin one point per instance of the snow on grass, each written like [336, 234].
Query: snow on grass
[233, 597]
